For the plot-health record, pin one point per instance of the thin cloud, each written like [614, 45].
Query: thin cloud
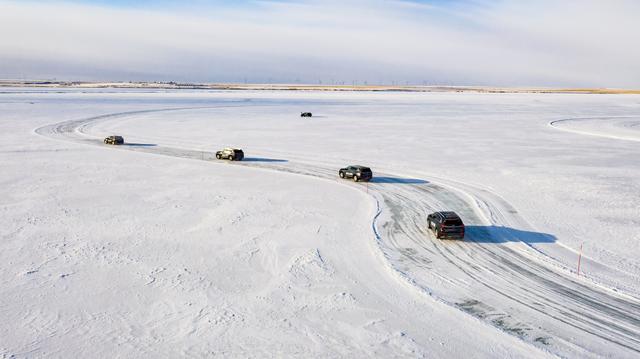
[543, 43]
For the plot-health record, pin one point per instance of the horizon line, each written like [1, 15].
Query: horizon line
[310, 86]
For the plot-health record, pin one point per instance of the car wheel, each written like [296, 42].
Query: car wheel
[437, 233]
[218, 156]
[429, 225]
[355, 178]
[341, 174]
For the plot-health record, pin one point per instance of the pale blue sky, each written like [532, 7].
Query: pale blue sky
[460, 42]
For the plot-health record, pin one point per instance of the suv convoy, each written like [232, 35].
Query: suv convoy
[357, 173]
[114, 140]
[446, 225]
[305, 114]
[231, 154]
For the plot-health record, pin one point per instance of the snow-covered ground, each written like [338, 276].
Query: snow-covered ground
[156, 249]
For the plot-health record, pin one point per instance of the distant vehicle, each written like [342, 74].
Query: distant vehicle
[446, 225]
[114, 140]
[306, 114]
[357, 173]
[231, 154]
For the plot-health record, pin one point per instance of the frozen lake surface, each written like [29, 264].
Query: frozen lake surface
[155, 248]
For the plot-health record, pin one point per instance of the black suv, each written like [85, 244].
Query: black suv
[114, 140]
[357, 173]
[446, 225]
[305, 114]
[232, 154]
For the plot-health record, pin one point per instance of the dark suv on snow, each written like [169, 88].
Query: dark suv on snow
[114, 140]
[446, 225]
[232, 154]
[357, 173]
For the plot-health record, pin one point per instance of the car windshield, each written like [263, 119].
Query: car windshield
[453, 222]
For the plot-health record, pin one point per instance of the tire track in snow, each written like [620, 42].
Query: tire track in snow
[620, 122]
[541, 290]
[501, 283]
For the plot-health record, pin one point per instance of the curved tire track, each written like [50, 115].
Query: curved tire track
[602, 132]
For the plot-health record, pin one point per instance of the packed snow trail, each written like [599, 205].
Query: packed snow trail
[618, 127]
[491, 275]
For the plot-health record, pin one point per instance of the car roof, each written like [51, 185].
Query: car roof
[360, 167]
[449, 214]
[232, 149]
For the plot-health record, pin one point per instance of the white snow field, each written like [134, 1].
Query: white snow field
[156, 249]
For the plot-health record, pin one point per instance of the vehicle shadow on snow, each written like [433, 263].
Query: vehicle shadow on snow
[261, 159]
[495, 234]
[140, 144]
[397, 180]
